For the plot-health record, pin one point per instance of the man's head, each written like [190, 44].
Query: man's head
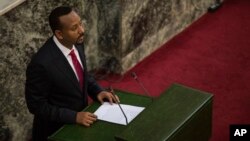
[66, 25]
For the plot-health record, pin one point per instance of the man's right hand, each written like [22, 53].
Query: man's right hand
[85, 118]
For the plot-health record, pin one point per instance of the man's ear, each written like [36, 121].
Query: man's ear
[58, 34]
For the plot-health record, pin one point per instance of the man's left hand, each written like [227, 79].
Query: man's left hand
[112, 98]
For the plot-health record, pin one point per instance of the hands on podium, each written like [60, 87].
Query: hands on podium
[87, 118]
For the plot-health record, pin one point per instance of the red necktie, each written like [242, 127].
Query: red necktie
[77, 67]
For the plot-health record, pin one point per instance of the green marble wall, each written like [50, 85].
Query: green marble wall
[120, 33]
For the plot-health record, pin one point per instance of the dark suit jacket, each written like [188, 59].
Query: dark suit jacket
[52, 90]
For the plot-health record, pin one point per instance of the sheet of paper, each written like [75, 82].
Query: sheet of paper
[112, 113]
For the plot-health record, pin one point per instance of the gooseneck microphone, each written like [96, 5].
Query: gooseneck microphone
[112, 91]
[133, 74]
[215, 6]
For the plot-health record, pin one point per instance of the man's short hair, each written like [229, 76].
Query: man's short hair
[54, 21]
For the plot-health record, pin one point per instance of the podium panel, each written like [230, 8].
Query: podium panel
[179, 114]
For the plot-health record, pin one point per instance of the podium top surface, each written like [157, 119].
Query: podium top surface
[159, 121]
[100, 130]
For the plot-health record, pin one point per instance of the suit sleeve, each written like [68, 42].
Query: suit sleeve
[37, 92]
[93, 88]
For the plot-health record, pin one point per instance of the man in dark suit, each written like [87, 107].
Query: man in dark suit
[57, 82]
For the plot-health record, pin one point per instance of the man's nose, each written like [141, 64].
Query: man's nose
[81, 30]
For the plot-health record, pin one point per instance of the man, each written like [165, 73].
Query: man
[57, 82]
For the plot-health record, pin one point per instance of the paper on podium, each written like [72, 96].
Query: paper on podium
[112, 113]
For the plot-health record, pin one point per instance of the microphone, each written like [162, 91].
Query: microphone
[112, 91]
[215, 6]
[133, 74]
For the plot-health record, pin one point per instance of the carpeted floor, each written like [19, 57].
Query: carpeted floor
[212, 55]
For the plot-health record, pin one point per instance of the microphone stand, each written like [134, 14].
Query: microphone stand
[133, 74]
[112, 91]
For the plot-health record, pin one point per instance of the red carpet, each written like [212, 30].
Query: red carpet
[212, 55]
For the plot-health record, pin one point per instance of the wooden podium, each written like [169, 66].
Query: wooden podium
[179, 114]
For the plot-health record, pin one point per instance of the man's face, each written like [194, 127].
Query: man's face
[72, 30]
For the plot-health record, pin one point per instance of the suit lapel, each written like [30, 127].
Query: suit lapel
[80, 50]
[63, 65]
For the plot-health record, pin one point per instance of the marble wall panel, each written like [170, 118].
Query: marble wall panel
[109, 20]
[147, 24]
[23, 30]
